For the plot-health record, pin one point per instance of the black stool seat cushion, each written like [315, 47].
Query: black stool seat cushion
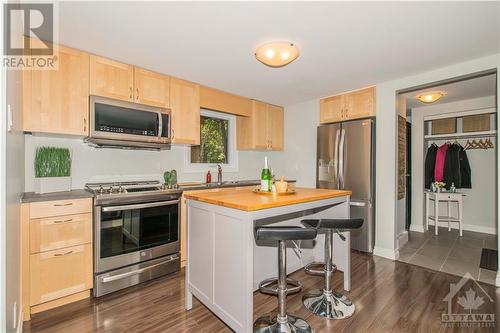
[345, 224]
[284, 233]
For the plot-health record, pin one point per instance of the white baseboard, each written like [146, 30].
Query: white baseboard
[468, 227]
[402, 239]
[392, 254]
[417, 228]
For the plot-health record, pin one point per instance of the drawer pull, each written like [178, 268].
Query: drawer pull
[62, 254]
[64, 204]
[63, 221]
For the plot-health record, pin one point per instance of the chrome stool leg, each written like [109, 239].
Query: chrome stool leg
[327, 303]
[283, 322]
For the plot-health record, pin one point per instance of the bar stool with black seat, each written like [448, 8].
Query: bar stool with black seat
[283, 322]
[328, 303]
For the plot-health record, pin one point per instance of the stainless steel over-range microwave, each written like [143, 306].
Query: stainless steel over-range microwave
[122, 124]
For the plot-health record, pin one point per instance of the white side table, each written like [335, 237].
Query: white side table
[443, 197]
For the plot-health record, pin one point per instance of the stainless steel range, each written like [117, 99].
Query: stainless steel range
[136, 233]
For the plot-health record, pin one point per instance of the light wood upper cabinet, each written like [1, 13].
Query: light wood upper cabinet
[185, 106]
[111, 79]
[360, 103]
[353, 105]
[56, 101]
[263, 130]
[331, 109]
[260, 122]
[276, 127]
[151, 88]
[218, 100]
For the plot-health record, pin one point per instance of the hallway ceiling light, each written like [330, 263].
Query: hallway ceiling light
[431, 96]
[277, 54]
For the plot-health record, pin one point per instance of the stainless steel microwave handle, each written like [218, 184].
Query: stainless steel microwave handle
[139, 206]
[160, 125]
[135, 272]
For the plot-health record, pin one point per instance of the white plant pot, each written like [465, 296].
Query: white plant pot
[52, 184]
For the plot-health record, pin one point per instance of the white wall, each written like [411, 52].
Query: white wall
[385, 234]
[93, 164]
[299, 158]
[14, 188]
[12, 183]
[480, 201]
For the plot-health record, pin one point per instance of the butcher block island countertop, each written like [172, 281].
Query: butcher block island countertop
[243, 198]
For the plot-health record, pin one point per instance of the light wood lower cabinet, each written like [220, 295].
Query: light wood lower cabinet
[52, 233]
[59, 273]
[60, 208]
[56, 253]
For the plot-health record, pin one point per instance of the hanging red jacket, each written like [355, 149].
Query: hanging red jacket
[439, 166]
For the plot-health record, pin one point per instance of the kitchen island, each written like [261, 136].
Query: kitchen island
[224, 263]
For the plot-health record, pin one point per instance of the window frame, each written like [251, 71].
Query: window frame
[232, 165]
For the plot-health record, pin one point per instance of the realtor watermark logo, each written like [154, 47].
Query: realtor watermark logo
[470, 298]
[30, 36]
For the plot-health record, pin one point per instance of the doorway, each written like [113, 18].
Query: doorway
[447, 192]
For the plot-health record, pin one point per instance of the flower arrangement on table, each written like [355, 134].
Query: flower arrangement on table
[439, 186]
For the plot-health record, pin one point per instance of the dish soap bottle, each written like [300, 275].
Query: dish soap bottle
[265, 178]
[453, 189]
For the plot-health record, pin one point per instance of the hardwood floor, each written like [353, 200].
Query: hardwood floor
[389, 297]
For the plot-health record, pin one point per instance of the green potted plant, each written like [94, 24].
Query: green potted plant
[52, 169]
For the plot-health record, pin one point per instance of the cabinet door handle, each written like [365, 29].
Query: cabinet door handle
[64, 204]
[131, 92]
[137, 93]
[173, 134]
[84, 124]
[63, 221]
[62, 254]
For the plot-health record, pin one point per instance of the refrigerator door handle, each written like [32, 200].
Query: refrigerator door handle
[336, 157]
[341, 159]
[357, 204]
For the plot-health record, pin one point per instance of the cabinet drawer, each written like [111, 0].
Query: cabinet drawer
[59, 273]
[60, 207]
[54, 233]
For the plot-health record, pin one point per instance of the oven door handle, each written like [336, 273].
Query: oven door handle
[139, 206]
[135, 272]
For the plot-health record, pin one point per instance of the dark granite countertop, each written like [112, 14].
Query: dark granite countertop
[79, 194]
[66, 195]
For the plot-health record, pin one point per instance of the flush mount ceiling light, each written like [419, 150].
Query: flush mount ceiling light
[431, 96]
[277, 54]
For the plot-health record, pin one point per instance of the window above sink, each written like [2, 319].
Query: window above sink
[217, 144]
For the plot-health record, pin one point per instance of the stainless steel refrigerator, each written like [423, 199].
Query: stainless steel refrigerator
[346, 160]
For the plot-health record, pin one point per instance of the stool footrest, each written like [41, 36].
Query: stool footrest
[264, 286]
[318, 268]
[315, 268]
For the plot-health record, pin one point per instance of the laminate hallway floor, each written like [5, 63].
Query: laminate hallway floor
[448, 252]
[389, 297]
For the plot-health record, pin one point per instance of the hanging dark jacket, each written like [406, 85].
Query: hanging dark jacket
[451, 171]
[465, 170]
[430, 161]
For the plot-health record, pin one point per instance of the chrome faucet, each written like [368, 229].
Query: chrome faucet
[219, 174]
